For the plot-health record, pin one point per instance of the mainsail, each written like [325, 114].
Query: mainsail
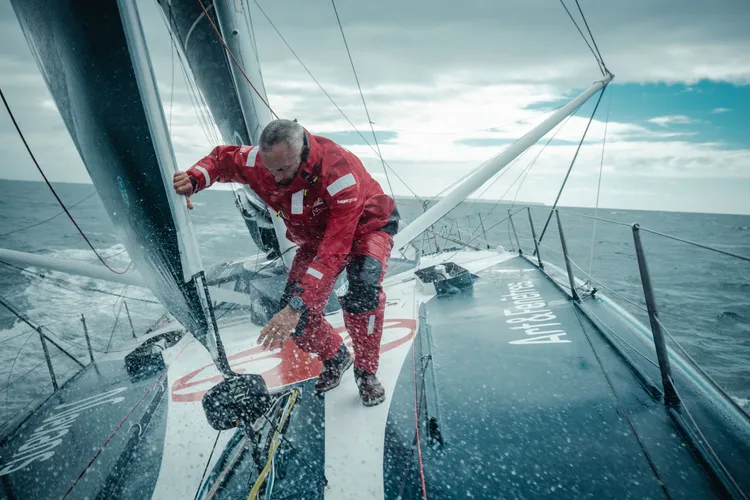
[95, 63]
[233, 89]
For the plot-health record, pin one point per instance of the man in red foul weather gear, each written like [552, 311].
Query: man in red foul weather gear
[340, 218]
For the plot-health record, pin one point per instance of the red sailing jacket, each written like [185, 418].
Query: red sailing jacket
[332, 201]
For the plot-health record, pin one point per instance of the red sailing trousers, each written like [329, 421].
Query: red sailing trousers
[363, 304]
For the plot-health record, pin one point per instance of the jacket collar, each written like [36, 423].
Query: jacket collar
[308, 167]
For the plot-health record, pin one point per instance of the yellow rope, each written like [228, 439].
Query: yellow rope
[275, 443]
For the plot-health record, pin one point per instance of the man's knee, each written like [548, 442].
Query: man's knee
[364, 273]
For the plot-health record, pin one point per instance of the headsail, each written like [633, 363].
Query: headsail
[94, 61]
[238, 106]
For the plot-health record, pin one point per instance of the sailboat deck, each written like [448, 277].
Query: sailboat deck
[530, 401]
[72, 440]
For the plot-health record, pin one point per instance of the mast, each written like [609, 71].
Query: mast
[234, 25]
[94, 59]
[470, 185]
[157, 125]
[192, 267]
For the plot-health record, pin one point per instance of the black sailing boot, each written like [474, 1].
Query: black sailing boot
[370, 389]
[333, 370]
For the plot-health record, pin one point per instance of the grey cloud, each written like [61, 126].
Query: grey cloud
[531, 40]
[405, 53]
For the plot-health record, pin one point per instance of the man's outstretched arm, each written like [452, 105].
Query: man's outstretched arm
[223, 164]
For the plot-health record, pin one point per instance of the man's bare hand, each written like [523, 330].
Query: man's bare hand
[183, 186]
[279, 328]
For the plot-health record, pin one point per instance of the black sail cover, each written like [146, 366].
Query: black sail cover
[208, 64]
[109, 109]
[217, 78]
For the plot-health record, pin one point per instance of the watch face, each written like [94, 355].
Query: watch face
[296, 303]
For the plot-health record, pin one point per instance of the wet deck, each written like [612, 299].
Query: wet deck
[50, 452]
[529, 398]
[531, 402]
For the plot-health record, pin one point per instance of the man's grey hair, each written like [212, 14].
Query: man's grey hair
[282, 131]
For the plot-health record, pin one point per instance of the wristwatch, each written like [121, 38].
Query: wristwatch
[297, 303]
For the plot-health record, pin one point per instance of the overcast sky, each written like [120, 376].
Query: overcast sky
[447, 82]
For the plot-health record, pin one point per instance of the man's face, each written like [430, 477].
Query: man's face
[282, 161]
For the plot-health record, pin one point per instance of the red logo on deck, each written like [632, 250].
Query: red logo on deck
[279, 368]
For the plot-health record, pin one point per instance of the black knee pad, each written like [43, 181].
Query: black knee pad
[363, 295]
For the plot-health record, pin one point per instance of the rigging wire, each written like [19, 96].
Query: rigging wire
[475, 169]
[25, 332]
[33, 158]
[10, 372]
[695, 244]
[117, 321]
[520, 185]
[713, 454]
[526, 170]
[26, 320]
[24, 374]
[601, 59]
[210, 456]
[334, 102]
[47, 220]
[624, 412]
[523, 173]
[700, 369]
[362, 95]
[504, 171]
[613, 333]
[200, 107]
[501, 174]
[598, 61]
[599, 185]
[231, 55]
[33, 398]
[197, 100]
[46, 326]
[573, 161]
[533, 162]
[109, 438]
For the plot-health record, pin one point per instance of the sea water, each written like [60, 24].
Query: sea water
[703, 297]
